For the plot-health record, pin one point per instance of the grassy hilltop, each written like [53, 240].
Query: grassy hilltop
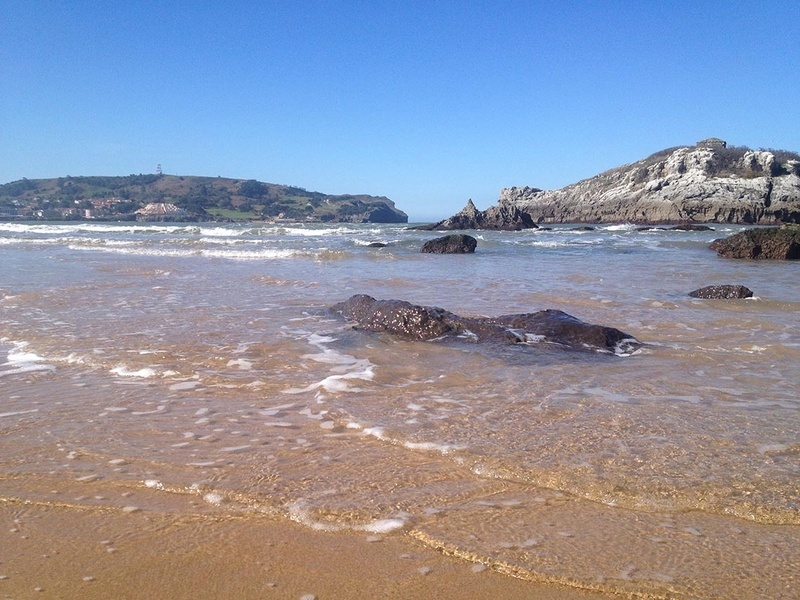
[202, 198]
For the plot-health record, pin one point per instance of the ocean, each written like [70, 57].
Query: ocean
[201, 360]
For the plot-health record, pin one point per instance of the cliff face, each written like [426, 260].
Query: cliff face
[704, 183]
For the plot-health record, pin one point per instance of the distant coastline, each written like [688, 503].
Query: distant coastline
[159, 197]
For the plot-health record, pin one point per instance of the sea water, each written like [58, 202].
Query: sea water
[202, 359]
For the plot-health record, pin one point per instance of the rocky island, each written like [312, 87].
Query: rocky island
[709, 182]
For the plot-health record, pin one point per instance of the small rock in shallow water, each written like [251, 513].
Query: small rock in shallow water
[451, 244]
[722, 292]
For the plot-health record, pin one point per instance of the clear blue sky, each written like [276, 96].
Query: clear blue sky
[427, 102]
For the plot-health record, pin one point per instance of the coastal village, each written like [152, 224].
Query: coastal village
[101, 209]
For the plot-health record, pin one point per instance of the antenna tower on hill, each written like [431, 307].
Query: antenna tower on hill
[158, 170]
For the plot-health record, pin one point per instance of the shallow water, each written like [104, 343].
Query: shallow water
[201, 359]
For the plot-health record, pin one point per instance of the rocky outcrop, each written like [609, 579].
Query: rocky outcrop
[771, 243]
[417, 322]
[498, 218]
[706, 183]
[375, 213]
[451, 244]
[722, 292]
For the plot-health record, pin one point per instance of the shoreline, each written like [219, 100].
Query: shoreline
[66, 552]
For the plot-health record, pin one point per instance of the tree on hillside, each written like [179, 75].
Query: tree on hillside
[253, 189]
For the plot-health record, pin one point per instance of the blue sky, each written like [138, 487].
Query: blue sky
[428, 102]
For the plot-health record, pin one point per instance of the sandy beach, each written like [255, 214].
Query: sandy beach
[69, 552]
[182, 416]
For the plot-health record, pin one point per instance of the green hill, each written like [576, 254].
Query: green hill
[200, 198]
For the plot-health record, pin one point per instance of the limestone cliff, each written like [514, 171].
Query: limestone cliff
[708, 182]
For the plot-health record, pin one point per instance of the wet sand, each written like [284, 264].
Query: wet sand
[66, 552]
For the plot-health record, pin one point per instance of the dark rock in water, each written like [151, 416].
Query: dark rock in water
[558, 327]
[691, 227]
[429, 322]
[583, 228]
[771, 243]
[722, 292]
[376, 245]
[398, 317]
[451, 244]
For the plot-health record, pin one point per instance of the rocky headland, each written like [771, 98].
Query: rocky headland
[705, 183]
[161, 197]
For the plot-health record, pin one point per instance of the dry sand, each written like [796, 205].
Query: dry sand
[69, 552]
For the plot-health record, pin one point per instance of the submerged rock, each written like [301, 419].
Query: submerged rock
[722, 292]
[451, 244]
[417, 322]
[771, 243]
[691, 227]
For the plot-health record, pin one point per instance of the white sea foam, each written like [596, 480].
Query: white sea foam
[20, 360]
[623, 227]
[531, 338]
[18, 412]
[380, 433]
[259, 254]
[184, 385]
[300, 513]
[123, 371]
[346, 368]
[159, 409]
[383, 526]
[626, 347]
[300, 230]
[242, 363]
[337, 383]
[214, 498]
